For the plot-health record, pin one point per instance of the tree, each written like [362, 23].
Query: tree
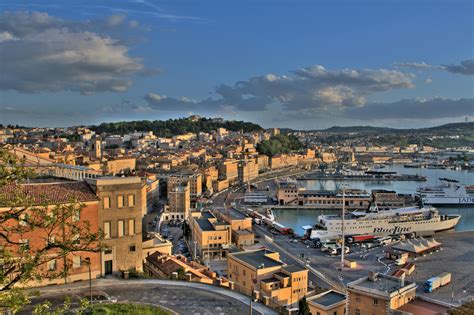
[22, 216]
[303, 308]
[279, 144]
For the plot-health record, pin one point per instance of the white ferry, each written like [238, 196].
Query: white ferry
[408, 221]
[449, 193]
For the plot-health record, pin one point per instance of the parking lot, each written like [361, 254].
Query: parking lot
[173, 231]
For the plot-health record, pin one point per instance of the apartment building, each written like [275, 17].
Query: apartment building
[49, 195]
[247, 170]
[283, 160]
[263, 162]
[211, 237]
[261, 274]
[240, 224]
[121, 208]
[327, 303]
[179, 202]
[228, 170]
[379, 294]
[193, 180]
[116, 166]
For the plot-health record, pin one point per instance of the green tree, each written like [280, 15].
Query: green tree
[57, 224]
[303, 308]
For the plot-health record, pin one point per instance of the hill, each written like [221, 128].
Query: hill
[172, 127]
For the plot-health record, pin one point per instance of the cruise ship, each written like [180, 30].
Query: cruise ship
[408, 221]
[449, 193]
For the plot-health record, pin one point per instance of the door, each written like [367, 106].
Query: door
[108, 267]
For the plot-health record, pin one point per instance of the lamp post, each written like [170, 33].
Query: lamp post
[342, 227]
[195, 243]
[88, 263]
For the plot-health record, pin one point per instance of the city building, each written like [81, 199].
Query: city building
[228, 170]
[179, 203]
[48, 195]
[120, 165]
[327, 303]
[247, 170]
[211, 238]
[378, 294]
[261, 274]
[240, 224]
[121, 209]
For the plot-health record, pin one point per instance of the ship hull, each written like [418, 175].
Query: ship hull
[448, 200]
[387, 228]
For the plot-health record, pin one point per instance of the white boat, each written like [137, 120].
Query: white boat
[449, 193]
[407, 221]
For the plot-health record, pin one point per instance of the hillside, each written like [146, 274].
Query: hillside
[172, 127]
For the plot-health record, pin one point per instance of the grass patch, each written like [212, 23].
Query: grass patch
[127, 309]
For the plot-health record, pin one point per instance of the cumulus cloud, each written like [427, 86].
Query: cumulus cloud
[307, 88]
[466, 67]
[418, 108]
[44, 53]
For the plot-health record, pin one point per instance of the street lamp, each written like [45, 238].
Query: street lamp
[88, 263]
[195, 243]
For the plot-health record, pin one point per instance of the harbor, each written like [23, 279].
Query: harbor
[295, 216]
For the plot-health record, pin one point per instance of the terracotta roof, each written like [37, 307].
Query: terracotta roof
[49, 193]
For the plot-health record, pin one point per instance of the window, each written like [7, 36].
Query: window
[121, 228]
[357, 311]
[106, 230]
[335, 313]
[50, 240]
[131, 248]
[244, 272]
[107, 252]
[76, 262]
[106, 202]
[120, 201]
[357, 298]
[376, 302]
[131, 227]
[52, 265]
[131, 200]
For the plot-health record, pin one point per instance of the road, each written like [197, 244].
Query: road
[179, 296]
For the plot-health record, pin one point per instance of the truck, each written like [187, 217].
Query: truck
[282, 229]
[359, 238]
[434, 283]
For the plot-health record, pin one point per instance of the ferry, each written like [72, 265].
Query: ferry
[449, 193]
[407, 221]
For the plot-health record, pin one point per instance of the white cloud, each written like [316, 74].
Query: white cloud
[50, 54]
[414, 65]
[307, 88]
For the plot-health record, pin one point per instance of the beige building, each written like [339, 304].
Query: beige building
[211, 237]
[121, 208]
[247, 170]
[116, 166]
[179, 202]
[240, 224]
[228, 170]
[263, 162]
[327, 303]
[261, 274]
[378, 294]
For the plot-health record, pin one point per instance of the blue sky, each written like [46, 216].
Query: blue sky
[299, 64]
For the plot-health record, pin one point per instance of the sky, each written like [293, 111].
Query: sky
[280, 63]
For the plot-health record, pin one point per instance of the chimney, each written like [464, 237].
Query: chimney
[373, 276]
[401, 281]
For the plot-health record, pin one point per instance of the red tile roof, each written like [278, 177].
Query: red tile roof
[48, 193]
